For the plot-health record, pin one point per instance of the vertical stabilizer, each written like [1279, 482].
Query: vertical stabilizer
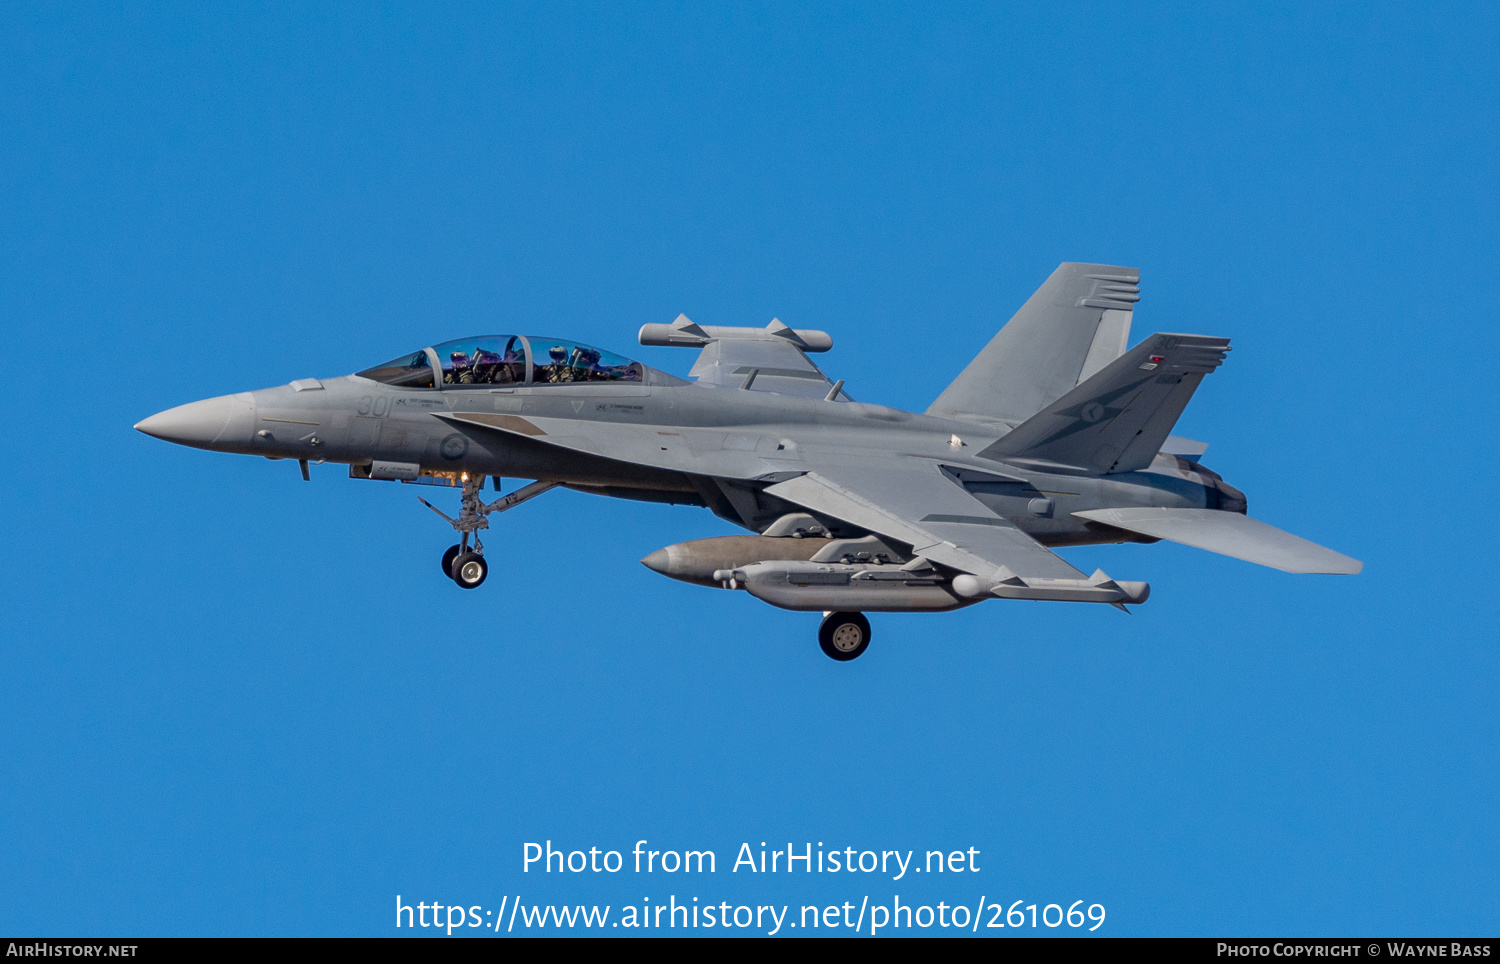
[1117, 420]
[1075, 324]
[1109, 343]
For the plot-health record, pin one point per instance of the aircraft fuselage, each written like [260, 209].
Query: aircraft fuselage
[665, 440]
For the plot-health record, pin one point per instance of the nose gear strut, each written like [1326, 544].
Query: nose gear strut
[465, 565]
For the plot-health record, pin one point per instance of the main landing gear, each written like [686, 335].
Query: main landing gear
[464, 563]
[844, 636]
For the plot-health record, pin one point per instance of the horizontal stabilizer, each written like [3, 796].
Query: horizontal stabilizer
[1119, 419]
[1229, 534]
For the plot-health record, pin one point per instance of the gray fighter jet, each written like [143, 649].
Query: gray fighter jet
[1055, 435]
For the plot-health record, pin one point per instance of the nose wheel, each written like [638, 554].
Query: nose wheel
[464, 563]
[844, 636]
[465, 566]
[469, 570]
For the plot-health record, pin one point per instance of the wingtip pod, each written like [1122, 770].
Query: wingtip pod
[685, 333]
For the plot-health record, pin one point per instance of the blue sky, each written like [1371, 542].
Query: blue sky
[236, 703]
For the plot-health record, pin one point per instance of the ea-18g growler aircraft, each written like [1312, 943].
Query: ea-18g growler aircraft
[1055, 435]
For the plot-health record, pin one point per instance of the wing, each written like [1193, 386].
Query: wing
[1229, 534]
[760, 365]
[916, 503]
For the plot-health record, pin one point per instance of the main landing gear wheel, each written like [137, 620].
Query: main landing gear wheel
[448, 558]
[469, 570]
[844, 636]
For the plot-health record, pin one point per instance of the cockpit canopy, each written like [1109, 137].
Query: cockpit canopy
[488, 360]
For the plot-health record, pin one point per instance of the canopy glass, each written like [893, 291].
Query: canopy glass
[408, 371]
[489, 360]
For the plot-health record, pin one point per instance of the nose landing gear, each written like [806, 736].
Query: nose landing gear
[469, 570]
[448, 557]
[461, 563]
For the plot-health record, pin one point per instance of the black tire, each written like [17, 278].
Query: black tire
[469, 570]
[844, 636]
[448, 558]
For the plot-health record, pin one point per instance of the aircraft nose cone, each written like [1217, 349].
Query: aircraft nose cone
[659, 561]
[225, 422]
